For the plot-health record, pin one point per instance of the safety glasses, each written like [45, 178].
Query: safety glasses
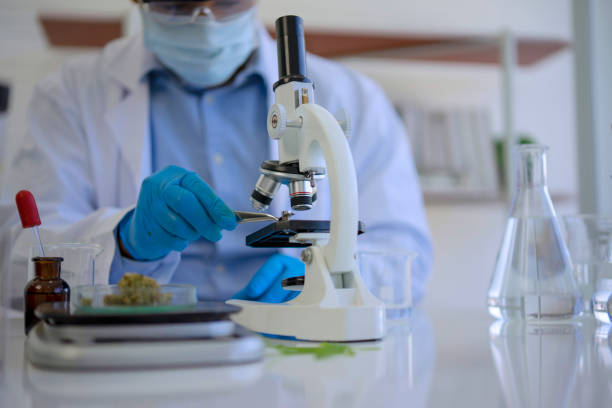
[188, 12]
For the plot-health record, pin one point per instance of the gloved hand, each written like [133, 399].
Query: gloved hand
[265, 286]
[174, 207]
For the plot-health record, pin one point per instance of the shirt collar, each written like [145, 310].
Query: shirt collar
[263, 62]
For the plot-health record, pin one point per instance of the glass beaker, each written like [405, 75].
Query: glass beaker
[79, 264]
[589, 241]
[387, 275]
[533, 276]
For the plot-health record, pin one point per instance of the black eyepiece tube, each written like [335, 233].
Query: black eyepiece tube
[291, 50]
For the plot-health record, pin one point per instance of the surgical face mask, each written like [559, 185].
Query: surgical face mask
[206, 52]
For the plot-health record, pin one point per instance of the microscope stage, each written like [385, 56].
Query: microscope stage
[278, 234]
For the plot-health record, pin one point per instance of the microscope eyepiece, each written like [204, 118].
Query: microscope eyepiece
[291, 50]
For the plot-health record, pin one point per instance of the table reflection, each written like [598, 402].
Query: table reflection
[603, 351]
[394, 372]
[551, 364]
[152, 388]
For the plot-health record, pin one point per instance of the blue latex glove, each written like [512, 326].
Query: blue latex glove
[174, 207]
[265, 286]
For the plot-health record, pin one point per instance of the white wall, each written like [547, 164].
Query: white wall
[19, 30]
[544, 100]
[540, 17]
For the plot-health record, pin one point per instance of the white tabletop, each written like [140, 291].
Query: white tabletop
[438, 359]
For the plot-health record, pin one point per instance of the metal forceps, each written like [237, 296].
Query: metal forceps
[251, 216]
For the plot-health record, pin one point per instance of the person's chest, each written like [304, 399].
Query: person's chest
[219, 134]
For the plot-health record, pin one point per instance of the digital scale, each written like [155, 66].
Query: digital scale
[194, 336]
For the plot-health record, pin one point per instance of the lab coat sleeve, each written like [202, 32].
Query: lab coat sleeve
[52, 162]
[390, 198]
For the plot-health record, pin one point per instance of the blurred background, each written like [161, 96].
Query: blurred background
[466, 77]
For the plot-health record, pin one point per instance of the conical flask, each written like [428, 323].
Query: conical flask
[533, 276]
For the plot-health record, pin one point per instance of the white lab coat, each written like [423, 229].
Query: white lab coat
[88, 150]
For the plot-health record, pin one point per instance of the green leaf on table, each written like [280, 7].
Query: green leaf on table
[321, 351]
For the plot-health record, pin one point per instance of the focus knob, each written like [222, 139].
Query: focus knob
[277, 121]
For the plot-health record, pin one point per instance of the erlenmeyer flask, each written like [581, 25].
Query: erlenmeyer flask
[533, 272]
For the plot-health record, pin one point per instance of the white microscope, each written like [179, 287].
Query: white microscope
[334, 304]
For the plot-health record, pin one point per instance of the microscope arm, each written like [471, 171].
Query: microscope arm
[321, 133]
[334, 304]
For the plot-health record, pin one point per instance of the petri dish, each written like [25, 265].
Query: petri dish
[112, 299]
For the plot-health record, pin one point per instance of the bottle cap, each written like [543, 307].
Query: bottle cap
[47, 259]
[28, 212]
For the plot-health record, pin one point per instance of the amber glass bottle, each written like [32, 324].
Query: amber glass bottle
[47, 286]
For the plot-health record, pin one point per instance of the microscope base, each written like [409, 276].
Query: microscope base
[321, 312]
[313, 322]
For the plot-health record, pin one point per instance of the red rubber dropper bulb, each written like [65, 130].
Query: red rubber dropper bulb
[28, 212]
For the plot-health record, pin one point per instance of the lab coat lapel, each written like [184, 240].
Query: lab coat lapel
[129, 123]
[128, 115]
